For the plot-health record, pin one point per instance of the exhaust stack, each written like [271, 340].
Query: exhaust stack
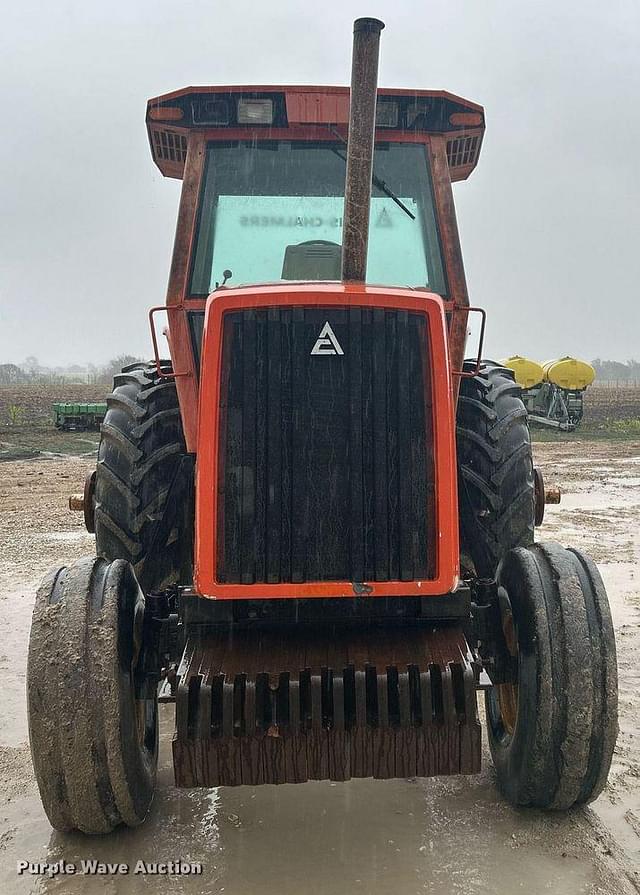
[362, 120]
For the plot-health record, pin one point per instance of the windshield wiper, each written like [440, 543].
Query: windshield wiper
[382, 186]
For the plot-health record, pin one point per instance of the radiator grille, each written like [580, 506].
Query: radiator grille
[326, 460]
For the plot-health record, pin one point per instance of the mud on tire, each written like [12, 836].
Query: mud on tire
[94, 742]
[141, 454]
[558, 752]
[495, 468]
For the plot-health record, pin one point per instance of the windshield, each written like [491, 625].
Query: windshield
[273, 210]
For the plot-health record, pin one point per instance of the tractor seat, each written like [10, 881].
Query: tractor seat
[317, 259]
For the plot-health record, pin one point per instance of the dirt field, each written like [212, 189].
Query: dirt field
[23, 406]
[385, 838]
[604, 404]
[31, 404]
[26, 419]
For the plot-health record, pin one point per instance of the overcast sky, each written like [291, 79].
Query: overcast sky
[549, 221]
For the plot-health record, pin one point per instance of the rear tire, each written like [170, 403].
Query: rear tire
[552, 746]
[141, 454]
[495, 468]
[94, 743]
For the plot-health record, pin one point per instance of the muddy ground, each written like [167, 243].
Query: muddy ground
[385, 838]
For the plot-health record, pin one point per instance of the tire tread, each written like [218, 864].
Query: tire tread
[141, 447]
[495, 468]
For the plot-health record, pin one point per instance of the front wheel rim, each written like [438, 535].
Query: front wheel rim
[503, 698]
[508, 705]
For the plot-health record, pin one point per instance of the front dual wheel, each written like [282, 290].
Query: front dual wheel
[93, 731]
[552, 730]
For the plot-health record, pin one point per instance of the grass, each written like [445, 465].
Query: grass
[626, 427]
[27, 442]
[606, 430]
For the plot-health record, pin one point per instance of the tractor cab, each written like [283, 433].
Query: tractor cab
[264, 171]
[272, 178]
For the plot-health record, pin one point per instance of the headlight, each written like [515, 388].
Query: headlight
[255, 111]
[386, 113]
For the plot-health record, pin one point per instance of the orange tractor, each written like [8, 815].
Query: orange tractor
[315, 523]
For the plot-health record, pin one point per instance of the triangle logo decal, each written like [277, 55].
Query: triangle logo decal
[327, 342]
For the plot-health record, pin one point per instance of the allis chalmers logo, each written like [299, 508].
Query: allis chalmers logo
[327, 342]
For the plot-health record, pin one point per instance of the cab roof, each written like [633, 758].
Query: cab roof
[299, 111]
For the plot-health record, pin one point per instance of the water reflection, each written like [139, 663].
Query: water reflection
[404, 836]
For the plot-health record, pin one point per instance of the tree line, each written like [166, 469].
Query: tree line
[613, 370]
[32, 371]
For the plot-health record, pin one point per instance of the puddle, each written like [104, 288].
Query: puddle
[377, 837]
[16, 614]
